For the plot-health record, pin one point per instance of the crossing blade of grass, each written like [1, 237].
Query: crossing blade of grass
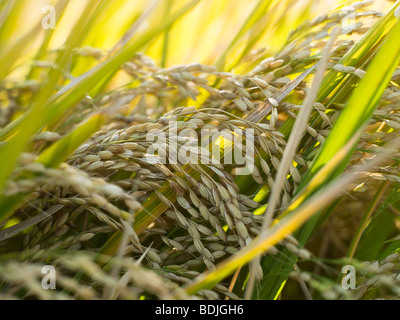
[291, 148]
[12, 231]
[375, 242]
[366, 219]
[288, 225]
[263, 109]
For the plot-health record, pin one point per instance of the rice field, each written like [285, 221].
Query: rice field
[212, 150]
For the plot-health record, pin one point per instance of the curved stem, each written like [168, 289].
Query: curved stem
[366, 218]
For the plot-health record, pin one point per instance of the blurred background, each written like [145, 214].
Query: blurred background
[205, 34]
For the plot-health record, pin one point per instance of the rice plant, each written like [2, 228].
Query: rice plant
[120, 123]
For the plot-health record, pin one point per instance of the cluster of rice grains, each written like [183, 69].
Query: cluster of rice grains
[367, 278]
[203, 217]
